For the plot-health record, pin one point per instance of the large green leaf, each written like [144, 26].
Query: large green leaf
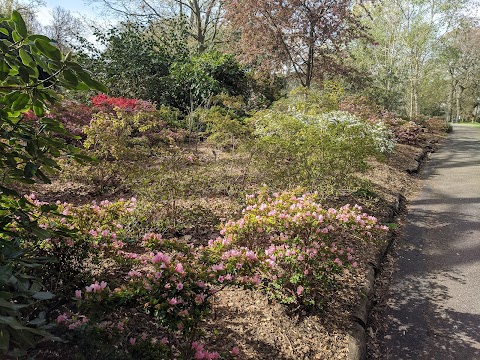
[12, 322]
[4, 69]
[11, 306]
[20, 102]
[30, 170]
[87, 79]
[43, 295]
[70, 77]
[19, 23]
[48, 50]
[26, 58]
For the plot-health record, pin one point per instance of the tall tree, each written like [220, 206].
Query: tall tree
[303, 37]
[407, 38]
[64, 28]
[461, 57]
[203, 17]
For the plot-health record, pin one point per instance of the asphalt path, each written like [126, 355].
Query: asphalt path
[433, 309]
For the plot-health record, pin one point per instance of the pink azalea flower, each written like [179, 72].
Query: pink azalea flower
[300, 290]
[78, 294]
[173, 301]
[179, 286]
[132, 341]
[200, 298]
[179, 268]
[61, 318]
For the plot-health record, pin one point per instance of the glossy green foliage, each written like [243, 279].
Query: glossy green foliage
[135, 59]
[31, 69]
[194, 82]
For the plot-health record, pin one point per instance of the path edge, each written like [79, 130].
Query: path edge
[357, 337]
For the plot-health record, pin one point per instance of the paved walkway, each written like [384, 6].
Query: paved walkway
[434, 307]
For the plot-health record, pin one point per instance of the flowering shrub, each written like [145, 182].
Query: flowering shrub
[285, 244]
[79, 236]
[299, 246]
[105, 103]
[315, 149]
[173, 284]
[346, 125]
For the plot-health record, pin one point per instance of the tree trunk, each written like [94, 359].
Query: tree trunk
[459, 93]
[197, 23]
[450, 101]
[311, 56]
[410, 110]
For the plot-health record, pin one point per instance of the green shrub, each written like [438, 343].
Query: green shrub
[223, 128]
[130, 135]
[316, 150]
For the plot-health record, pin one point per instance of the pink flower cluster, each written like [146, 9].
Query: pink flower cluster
[96, 287]
[293, 241]
[71, 322]
[201, 353]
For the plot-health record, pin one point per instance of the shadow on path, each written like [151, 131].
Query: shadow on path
[433, 311]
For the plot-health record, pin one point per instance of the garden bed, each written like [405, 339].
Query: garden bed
[245, 321]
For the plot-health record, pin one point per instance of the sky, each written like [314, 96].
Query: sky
[77, 7]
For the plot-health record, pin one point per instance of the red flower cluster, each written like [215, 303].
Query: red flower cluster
[103, 100]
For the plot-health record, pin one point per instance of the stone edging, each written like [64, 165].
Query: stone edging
[357, 338]
[357, 347]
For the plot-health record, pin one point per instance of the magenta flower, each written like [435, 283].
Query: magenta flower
[78, 294]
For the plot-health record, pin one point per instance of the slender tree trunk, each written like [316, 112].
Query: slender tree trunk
[415, 100]
[410, 110]
[459, 93]
[311, 56]
[450, 101]
[197, 23]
